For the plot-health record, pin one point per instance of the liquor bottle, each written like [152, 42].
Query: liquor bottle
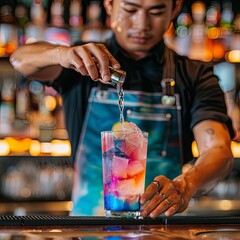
[216, 32]
[227, 17]
[57, 11]
[198, 32]
[233, 54]
[22, 20]
[182, 39]
[8, 31]
[58, 31]
[94, 29]
[7, 105]
[35, 29]
[21, 99]
[75, 20]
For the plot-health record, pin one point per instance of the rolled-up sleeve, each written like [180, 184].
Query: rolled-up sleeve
[208, 101]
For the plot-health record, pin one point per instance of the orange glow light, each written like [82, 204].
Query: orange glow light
[35, 148]
[50, 102]
[233, 56]
[18, 145]
[61, 148]
[235, 147]
[218, 50]
[4, 148]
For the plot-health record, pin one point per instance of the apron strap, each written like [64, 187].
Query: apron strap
[168, 81]
[169, 65]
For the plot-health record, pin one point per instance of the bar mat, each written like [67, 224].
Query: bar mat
[44, 220]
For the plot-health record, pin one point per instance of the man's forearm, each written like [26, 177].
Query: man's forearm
[37, 60]
[210, 168]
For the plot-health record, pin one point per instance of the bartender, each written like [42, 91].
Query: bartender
[177, 100]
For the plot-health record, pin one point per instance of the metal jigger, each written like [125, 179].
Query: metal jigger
[117, 77]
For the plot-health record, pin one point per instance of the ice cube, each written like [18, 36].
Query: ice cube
[135, 167]
[131, 186]
[119, 166]
[119, 143]
[126, 187]
[109, 153]
[135, 141]
[120, 153]
[121, 146]
[140, 152]
[130, 127]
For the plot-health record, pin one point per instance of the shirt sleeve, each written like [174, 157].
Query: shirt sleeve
[208, 98]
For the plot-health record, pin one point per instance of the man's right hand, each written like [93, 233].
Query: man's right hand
[90, 59]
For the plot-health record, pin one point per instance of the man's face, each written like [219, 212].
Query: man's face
[140, 24]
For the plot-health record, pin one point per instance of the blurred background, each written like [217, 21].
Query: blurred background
[35, 164]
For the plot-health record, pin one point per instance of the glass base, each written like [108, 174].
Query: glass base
[123, 214]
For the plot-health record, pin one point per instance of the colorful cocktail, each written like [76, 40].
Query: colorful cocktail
[124, 153]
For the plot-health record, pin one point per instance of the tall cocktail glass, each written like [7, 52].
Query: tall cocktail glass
[124, 156]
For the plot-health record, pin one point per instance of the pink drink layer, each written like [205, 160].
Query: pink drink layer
[124, 167]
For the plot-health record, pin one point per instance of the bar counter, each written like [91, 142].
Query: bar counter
[94, 228]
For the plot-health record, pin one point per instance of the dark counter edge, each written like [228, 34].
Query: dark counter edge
[45, 220]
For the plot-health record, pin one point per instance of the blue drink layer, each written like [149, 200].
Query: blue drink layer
[115, 204]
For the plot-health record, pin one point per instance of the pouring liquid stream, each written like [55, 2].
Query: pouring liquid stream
[120, 102]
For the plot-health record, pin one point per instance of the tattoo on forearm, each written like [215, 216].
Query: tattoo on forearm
[209, 137]
[210, 131]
